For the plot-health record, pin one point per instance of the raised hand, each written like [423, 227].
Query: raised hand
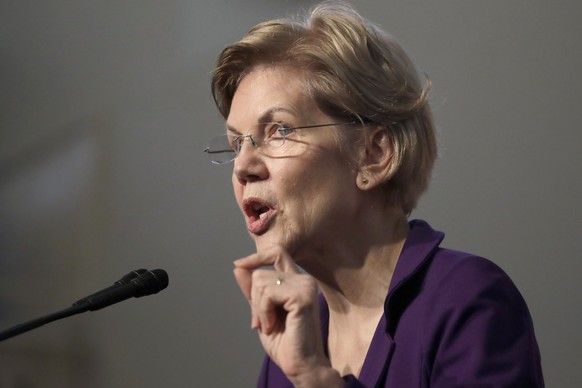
[284, 310]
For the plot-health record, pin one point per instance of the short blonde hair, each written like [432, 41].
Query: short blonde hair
[355, 71]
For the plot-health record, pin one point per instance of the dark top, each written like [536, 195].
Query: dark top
[451, 319]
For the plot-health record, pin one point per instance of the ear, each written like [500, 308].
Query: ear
[375, 165]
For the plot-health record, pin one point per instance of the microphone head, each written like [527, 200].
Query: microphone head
[150, 282]
[132, 275]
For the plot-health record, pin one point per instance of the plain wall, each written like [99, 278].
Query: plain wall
[105, 108]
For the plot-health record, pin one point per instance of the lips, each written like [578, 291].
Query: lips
[259, 214]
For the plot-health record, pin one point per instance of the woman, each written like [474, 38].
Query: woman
[333, 142]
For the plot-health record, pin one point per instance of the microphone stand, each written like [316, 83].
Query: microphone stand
[135, 284]
[33, 324]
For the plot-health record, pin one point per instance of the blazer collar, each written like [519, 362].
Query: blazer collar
[420, 244]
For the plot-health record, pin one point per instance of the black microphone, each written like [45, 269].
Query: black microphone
[124, 280]
[136, 284]
[150, 282]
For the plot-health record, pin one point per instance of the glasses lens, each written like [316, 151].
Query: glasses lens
[220, 149]
[276, 137]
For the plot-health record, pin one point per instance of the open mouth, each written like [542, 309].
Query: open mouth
[258, 213]
[255, 208]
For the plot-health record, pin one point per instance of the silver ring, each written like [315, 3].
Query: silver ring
[279, 281]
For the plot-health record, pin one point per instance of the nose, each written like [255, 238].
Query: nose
[249, 165]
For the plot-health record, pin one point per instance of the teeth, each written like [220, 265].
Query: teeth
[262, 215]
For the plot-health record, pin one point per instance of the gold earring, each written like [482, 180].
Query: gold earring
[365, 181]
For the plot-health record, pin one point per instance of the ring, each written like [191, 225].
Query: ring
[279, 281]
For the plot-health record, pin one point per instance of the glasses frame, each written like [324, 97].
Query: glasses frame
[240, 140]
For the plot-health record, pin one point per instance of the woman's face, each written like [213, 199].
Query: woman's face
[306, 198]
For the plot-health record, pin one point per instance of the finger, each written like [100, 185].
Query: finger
[274, 294]
[259, 281]
[261, 294]
[270, 308]
[276, 256]
[244, 279]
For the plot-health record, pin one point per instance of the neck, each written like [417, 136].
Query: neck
[354, 272]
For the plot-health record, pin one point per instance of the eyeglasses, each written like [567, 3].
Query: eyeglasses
[224, 149]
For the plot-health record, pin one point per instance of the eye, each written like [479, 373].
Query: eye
[234, 141]
[280, 131]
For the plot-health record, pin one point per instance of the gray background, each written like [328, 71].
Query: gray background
[104, 110]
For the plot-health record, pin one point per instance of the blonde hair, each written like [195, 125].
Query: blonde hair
[354, 71]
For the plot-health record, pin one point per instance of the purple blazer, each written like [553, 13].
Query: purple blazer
[450, 320]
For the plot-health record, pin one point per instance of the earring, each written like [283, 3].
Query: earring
[365, 181]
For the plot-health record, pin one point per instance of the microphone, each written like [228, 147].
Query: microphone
[147, 283]
[136, 284]
[124, 280]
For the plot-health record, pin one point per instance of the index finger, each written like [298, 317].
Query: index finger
[276, 257]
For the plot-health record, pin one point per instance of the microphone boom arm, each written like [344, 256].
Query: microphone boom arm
[135, 284]
[33, 324]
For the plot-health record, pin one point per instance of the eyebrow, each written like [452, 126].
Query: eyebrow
[266, 117]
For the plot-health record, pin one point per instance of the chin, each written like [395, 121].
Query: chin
[272, 239]
[265, 241]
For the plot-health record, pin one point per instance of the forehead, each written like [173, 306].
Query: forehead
[268, 93]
